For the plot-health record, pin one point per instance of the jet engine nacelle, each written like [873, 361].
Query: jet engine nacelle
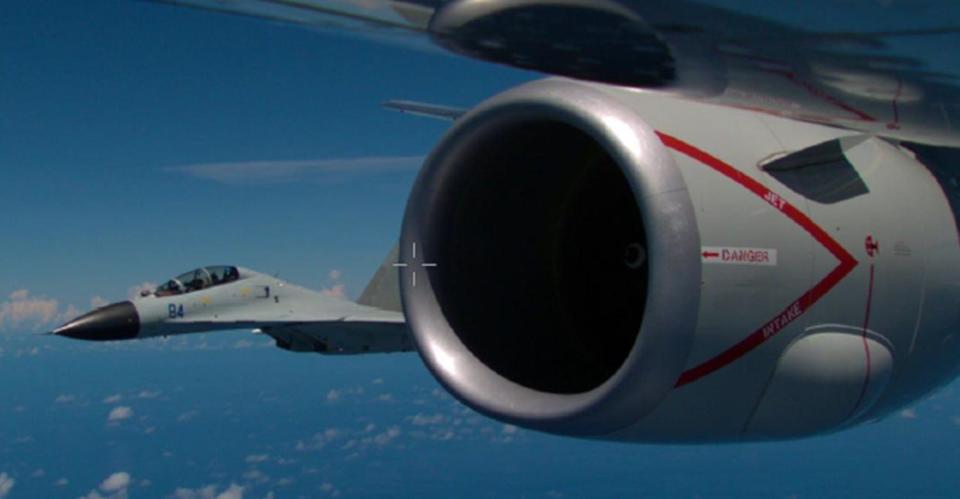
[604, 262]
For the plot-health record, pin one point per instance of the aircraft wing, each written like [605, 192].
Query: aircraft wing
[302, 320]
[385, 14]
[309, 321]
[882, 70]
[347, 337]
[366, 332]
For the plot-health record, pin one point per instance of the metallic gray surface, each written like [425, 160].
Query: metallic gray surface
[596, 40]
[887, 74]
[383, 290]
[665, 337]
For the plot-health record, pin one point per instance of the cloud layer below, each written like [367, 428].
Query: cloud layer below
[21, 310]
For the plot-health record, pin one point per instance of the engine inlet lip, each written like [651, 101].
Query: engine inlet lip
[663, 343]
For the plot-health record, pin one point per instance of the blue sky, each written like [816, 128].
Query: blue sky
[116, 121]
[105, 103]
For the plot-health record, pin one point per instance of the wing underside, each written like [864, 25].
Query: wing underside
[343, 338]
[889, 77]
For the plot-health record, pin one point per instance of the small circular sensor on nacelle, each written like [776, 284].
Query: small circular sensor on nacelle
[634, 256]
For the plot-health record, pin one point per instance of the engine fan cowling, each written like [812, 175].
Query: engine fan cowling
[553, 270]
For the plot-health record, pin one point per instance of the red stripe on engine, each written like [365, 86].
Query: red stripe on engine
[797, 308]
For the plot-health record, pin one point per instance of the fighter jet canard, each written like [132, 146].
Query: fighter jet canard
[227, 297]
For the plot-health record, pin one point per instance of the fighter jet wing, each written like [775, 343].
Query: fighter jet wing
[342, 337]
[313, 322]
[888, 76]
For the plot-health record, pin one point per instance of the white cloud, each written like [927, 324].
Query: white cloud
[234, 491]
[187, 416]
[120, 413]
[62, 482]
[257, 458]
[116, 482]
[424, 420]
[261, 172]
[147, 394]
[508, 429]
[22, 310]
[98, 301]
[333, 395]
[6, 484]
[256, 476]
[337, 290]
[65, 398]
[328, 489]
[319, 440]
[908, 414]
[134, 291]
[331, 433]
[388, 436]
[115, 486]
[69, 313]
[25, 311]
[112, 399]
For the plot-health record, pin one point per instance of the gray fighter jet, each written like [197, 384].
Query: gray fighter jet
[226, 297]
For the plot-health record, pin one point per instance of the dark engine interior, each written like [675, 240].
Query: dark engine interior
[540, 248]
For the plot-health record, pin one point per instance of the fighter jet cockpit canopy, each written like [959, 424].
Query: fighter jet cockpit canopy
[197, 279]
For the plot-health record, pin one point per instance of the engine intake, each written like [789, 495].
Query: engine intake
[566, 285]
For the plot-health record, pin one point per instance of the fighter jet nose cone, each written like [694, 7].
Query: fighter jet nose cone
[118, 321]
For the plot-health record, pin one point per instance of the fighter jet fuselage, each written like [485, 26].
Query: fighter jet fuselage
[228, 298]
